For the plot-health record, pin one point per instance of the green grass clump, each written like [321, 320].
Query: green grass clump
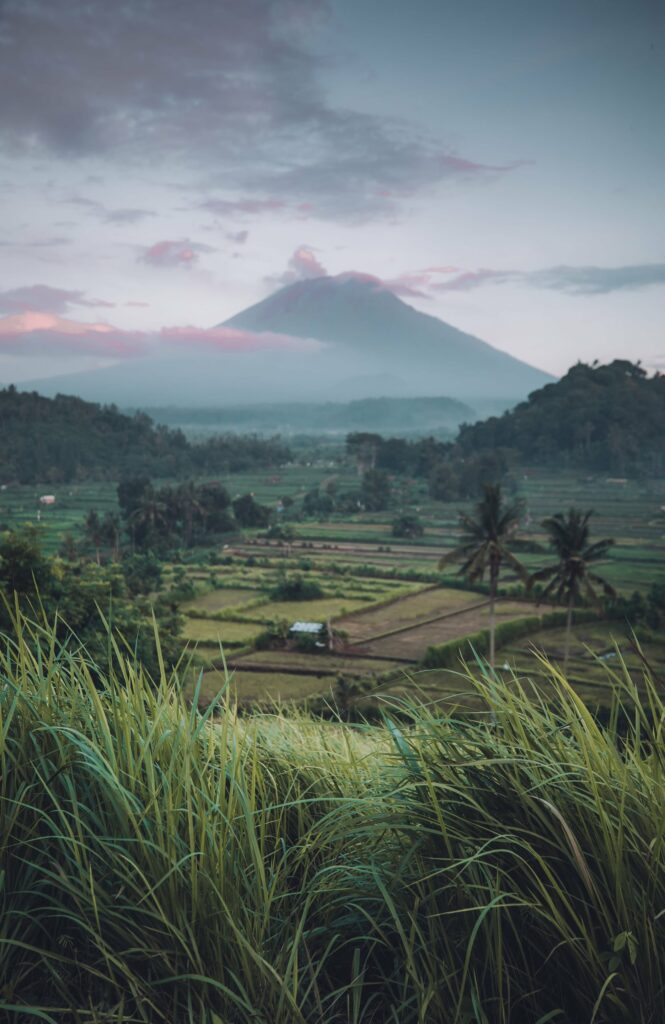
[160, 865]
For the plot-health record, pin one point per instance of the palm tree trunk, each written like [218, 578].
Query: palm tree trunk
[569, 623]
[493, 585]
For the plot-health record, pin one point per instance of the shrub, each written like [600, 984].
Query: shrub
[296, 588]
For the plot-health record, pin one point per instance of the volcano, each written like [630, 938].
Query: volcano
[371, 345]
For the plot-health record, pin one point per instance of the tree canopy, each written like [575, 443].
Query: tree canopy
[606, 418]
[65, 439]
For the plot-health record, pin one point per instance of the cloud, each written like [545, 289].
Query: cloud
[243, 206]
[182, 253]
[44, 299]
[572, 280]
[239, 237]
[121, 215]
[230, 91]
[38, 243]
[471, 279]
[38, 334]
[598, 280]
[127, 215]
[302, 266]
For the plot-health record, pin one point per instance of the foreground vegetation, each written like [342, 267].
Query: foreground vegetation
[164, 866]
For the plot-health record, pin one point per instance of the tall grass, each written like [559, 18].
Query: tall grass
[160, 865]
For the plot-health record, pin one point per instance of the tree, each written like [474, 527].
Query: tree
[249, 513]
[94, 532]
[484, 547]
[149, 520]
[375, 490]
[571, 576]
[23, 568]
[408, 525]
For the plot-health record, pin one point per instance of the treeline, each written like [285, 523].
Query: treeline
[604, 418]
[161, 519]
[64, 439]
[451, 474]
[406, 415]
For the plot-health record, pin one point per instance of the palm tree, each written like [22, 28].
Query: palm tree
[484, 548]
[94, 531]
[149, 518]
[571, 576]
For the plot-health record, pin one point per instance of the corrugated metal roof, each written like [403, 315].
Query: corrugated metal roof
[306, 627]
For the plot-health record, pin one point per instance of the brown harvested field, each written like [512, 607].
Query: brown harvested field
[407, 610]
[215, 600]
[413, 643]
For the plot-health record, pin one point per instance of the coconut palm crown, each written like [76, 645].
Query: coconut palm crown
[571, 577]
[483, 545]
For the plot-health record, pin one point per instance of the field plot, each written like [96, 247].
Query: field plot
[318, 610]
[412, 644]
[215, 632]
[19, 505]
[264, 687]
[319, 664]
[425, 604]
[217, 600]
[595, 647]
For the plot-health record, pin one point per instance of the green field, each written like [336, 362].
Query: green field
[378, 589]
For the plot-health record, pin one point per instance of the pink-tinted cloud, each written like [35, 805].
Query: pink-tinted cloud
[179, 253]
[37, 334]
[471, 279]
[42, 298]
[302, 266]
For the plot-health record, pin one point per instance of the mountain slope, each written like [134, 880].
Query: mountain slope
[365, 321]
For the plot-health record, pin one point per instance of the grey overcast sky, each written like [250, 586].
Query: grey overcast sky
[498, 163]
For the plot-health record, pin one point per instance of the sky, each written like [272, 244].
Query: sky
[499, 164]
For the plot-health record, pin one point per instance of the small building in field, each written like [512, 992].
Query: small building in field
[307, 635]
[47, 499]
[315, 629]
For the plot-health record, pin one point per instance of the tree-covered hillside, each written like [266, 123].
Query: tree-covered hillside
[64, 439]
[608, 418]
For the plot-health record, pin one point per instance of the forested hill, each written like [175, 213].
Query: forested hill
[63, 439]
[606, 418]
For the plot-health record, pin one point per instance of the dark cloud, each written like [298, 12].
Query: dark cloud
[41, 298]
[229, 89]
[181, 253]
